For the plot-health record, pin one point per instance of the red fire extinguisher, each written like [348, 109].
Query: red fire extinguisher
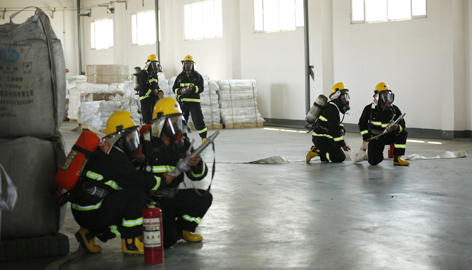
[152, 234]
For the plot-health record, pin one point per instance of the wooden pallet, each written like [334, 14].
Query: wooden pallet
[244, 125]
[210, 126]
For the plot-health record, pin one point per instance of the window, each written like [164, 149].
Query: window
[365, 11]
[203, 20]
[101, 34]
[143, 28]
[277, 15]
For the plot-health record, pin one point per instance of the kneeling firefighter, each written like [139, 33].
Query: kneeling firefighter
[378, 116]
[327, 135]
[111, 194]
[182, 209]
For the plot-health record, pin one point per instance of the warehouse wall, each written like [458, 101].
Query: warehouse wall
[425, 61]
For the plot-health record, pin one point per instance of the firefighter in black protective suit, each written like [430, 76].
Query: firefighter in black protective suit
[182, 209]
[375, 118]
[187, 87]
[149, 90]
[109, 198]
[328, 133]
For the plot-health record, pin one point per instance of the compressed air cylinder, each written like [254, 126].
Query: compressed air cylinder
[315, 110]
[137, 70]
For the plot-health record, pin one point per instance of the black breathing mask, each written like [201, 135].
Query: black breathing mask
[130, 143]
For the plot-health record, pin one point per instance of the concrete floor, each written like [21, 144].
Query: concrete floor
[313, 216]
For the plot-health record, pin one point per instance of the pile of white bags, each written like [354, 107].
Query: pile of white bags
[237, 99]
[96, 113]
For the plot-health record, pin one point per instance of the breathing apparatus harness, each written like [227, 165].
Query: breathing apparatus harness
[370, 121]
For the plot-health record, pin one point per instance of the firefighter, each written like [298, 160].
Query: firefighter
[149, 90]
[109, 199]
[328, 133]
[187, 87]
[375, 118]
[182, 209]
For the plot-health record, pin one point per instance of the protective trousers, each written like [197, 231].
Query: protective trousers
[376, 147]
[120, 213]
[195, 110]
[147, 107]
[329, 151]
[183, 212]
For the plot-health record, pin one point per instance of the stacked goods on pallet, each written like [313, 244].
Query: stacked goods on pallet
[94, 114]
[71, 84]
[164, 85]
[32, 101]
[238, 105]
[107, 74]
[84, 92]
[210, 106]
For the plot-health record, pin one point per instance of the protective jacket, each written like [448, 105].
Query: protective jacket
[195, 80]
[373, 120]
[148, 83]
[329, 125]
[111, 195]
[181, 209]
[112, 173]
[164, 158]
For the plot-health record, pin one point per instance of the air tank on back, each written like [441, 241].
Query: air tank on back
[315, 110]
[137, 70]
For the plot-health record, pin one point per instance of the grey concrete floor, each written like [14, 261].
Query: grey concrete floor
[316, 215]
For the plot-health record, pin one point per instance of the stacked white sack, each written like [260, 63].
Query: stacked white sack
[96, 113]
[74, 103]
[78, 87]
[90, 115]
[237, 99]
[73, 94]
[164, 84]
[114, 88]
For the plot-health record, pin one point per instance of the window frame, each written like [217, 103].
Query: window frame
[135, 31]
[412, 17]
[218, 31]
[262, 17]
[93, 40]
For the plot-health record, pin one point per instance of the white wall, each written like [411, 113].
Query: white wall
[427, 62]
[211, 55]
[422, 60]
[276, 62]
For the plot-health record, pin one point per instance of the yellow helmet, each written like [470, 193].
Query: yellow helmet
[167, 117]
[119, 121]
[152, 58]
[338, 87]
[381, 87]
[188, 58]
[166, 106]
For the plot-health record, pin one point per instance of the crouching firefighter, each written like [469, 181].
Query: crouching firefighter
[327, 135]
[111, 194]
[182, 209]
[379, 116]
